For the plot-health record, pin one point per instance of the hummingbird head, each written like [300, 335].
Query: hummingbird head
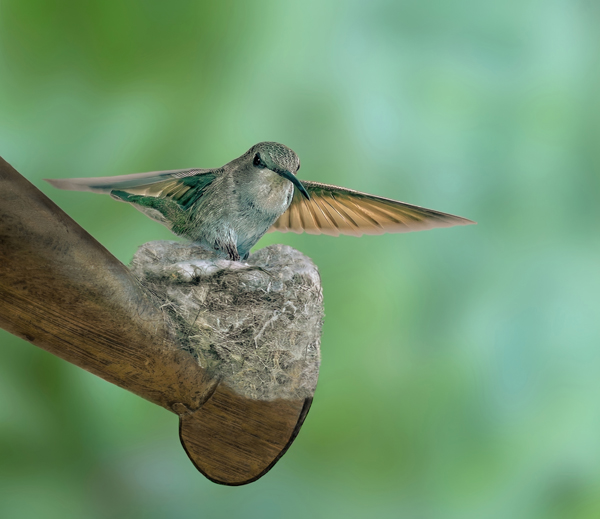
[279, 159]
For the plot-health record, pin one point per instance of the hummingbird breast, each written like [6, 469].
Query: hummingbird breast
[237, 210]
[261, 203]
[268, 193]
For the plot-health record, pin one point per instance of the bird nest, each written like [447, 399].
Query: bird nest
[256, 325]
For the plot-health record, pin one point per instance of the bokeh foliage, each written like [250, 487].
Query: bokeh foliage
[460, 374]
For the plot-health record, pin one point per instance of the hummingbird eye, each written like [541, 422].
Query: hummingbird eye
[258, 161]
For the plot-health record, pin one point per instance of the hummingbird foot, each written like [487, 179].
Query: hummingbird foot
[232, 251]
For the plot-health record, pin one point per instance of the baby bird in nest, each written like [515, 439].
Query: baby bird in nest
[230, 208]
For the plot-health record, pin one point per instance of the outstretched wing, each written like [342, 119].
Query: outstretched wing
[335, 210]
[184, 186]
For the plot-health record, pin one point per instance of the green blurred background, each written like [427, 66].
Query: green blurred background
[460, 369]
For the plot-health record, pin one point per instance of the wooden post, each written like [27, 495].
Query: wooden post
[64, 292]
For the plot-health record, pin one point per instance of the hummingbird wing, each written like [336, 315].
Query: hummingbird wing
[183, 186]
[336, 210]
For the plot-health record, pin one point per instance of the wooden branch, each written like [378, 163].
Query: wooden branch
[64, 292]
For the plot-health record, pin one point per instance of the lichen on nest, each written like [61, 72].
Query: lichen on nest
[256, 325]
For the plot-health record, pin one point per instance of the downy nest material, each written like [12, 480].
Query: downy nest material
[255, 325]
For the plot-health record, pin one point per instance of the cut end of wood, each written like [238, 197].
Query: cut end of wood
[234, 440]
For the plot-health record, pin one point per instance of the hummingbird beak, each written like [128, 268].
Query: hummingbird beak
[294, 180]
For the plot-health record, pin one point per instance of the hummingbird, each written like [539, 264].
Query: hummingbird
[228, 209]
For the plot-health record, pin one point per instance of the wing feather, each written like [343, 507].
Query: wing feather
[123, 182]
[347, 223]
[328, 224]
[310, 220]
[336, 210]
[184, 186]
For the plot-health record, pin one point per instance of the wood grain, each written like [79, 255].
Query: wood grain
[64, 292]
